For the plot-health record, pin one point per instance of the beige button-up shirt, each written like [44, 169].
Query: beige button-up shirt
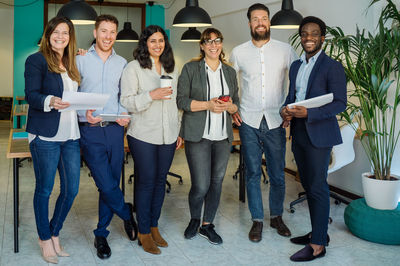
[153, 121]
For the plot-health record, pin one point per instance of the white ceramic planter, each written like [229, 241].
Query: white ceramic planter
[381, 194]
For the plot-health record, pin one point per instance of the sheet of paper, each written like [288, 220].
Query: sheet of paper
[314, 102]
[113, 117]
[84, 100]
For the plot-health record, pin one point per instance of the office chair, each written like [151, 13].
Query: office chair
[341, 155]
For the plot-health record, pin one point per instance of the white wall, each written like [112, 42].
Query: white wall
[230, 18]
[6, 50]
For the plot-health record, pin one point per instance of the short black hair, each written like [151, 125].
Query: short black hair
[256, 6]
[311, 19]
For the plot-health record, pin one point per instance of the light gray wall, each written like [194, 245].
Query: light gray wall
[6, 50]
[84, 33]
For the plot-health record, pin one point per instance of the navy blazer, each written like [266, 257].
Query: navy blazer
[327, 76]
[39, 83]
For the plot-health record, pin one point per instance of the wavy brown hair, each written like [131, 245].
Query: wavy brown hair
[206, 35]
[52, 57]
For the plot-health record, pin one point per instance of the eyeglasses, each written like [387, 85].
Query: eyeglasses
[312, 34]
[216, 41]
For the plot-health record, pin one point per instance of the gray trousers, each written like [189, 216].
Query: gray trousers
[207, 162]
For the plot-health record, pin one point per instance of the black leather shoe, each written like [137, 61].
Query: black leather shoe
[305, 240]
[306, 254]
[130, 225]
[103, 249]
[192, 229]
[255, 234]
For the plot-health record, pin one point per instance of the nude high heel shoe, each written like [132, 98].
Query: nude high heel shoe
[49, 259]
[61, 252]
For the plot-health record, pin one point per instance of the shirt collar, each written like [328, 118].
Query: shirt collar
[312, 59]
[218, 68]
[92, 49]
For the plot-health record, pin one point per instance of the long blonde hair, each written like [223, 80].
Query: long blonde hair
[68, 58]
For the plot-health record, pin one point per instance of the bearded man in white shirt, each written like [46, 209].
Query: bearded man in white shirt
[263, 64]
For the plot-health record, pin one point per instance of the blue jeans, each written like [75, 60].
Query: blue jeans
[207, 162]
[152, 163]
[47, 157]
[103, 150]
[273, 144]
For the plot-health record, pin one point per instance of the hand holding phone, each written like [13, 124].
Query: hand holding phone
[224, 98]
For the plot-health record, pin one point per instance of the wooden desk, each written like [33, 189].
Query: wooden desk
[17, 149]
[20, 110]
[20, 99]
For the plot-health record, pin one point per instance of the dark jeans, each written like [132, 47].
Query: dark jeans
[207, 162]
[312, 164]
[273, 144]
[152, 163]
[48, 156]
[103, 150]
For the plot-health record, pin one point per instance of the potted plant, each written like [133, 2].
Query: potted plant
[371, 62]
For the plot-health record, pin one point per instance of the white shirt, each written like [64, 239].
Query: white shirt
[153, 121]
[217, 129]
[68, 125]
[263, 74]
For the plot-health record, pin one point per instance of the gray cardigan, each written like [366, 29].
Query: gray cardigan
[192, 86]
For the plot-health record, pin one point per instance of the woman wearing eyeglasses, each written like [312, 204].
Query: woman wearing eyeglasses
[208, 95]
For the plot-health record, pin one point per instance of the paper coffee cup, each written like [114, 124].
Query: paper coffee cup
[166, 81]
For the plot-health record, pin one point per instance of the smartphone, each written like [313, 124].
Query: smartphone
[224, 98]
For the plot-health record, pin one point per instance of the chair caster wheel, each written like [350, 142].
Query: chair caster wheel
[180, 182]
[337, 202]
[330, 220]
[265, 181]
[234, 177]
[292, 210]
[168, 190]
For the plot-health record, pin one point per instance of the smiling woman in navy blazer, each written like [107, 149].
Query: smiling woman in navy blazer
[53, 136]
[314, 130]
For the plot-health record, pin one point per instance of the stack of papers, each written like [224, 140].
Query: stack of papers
[314, 102]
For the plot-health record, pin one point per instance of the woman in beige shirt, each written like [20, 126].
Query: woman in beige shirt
[153, 131]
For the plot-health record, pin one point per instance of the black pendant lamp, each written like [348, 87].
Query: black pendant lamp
[192, 16]
[79, 12]
[127, 34]
[287, 17]
[191, 35]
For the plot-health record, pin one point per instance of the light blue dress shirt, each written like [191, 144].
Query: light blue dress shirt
[304, 74]
[101, 77]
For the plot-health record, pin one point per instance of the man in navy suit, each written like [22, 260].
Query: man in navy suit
[314, 130]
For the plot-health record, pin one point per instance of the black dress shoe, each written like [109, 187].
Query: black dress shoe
[192, 228]
[306, 239]
[307, 254]
[103, 249]
[130, 225]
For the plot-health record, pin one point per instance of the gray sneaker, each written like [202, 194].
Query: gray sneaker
[207, 231]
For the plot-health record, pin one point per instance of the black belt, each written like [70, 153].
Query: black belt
[99, 124]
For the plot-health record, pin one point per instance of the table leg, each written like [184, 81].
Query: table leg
[242, 185]
[16, 202]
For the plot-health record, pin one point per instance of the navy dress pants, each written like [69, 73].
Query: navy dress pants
[103, 150]
[312, 164]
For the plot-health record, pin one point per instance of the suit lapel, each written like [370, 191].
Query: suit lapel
[202, 71]
[60, 84]
[314, 72]
[292, 91]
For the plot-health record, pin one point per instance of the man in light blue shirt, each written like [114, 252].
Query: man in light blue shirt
[102, 143]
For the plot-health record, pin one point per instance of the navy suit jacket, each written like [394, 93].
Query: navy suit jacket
[327, 76]
[39, 83]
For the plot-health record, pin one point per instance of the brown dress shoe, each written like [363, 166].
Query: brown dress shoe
[280, 226]
[158, 239]
[148, 244]
[255, 233]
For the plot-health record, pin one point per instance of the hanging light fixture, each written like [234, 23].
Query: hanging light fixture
[127, 34]
[191, 35]
[287, 17]
[192, 16]
[79, 12]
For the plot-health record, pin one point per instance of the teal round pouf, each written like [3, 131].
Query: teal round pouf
[379, 226]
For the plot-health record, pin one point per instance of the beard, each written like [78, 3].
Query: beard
[259, 37]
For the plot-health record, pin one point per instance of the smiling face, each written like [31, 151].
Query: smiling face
[59, 38]
[105, 35]
[156, 44]
[212, 47]
[259, 25]
[311, 39]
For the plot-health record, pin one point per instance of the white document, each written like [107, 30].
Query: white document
[84, 100]
[113, 117]
[314, 102]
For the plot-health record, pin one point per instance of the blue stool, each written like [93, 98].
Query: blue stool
[379, 226]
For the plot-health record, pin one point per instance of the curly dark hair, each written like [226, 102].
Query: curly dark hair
[142, 55]
[311, 19]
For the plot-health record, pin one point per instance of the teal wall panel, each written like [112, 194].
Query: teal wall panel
[28, 28]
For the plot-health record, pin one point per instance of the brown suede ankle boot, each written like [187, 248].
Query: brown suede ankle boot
[158, 239]
[146, 241]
